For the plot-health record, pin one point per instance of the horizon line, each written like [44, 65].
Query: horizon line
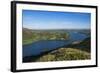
[57, 28]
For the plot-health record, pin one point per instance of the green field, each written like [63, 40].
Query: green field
[30, 36]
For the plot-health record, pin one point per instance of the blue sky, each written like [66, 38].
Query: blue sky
[33, 19]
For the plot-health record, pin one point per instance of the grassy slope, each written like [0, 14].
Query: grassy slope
[27, 36]
[65, 54]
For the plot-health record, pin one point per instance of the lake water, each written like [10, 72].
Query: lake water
[39, 47]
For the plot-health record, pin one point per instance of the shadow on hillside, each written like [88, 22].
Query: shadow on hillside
[85, 45]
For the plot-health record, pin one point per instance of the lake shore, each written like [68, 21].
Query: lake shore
[69, 52]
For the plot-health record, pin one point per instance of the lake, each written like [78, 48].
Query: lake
[39, 47]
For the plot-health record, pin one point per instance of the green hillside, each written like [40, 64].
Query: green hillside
[30, 36]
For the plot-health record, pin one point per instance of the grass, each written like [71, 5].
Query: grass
[65, 54]
[27, 41]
